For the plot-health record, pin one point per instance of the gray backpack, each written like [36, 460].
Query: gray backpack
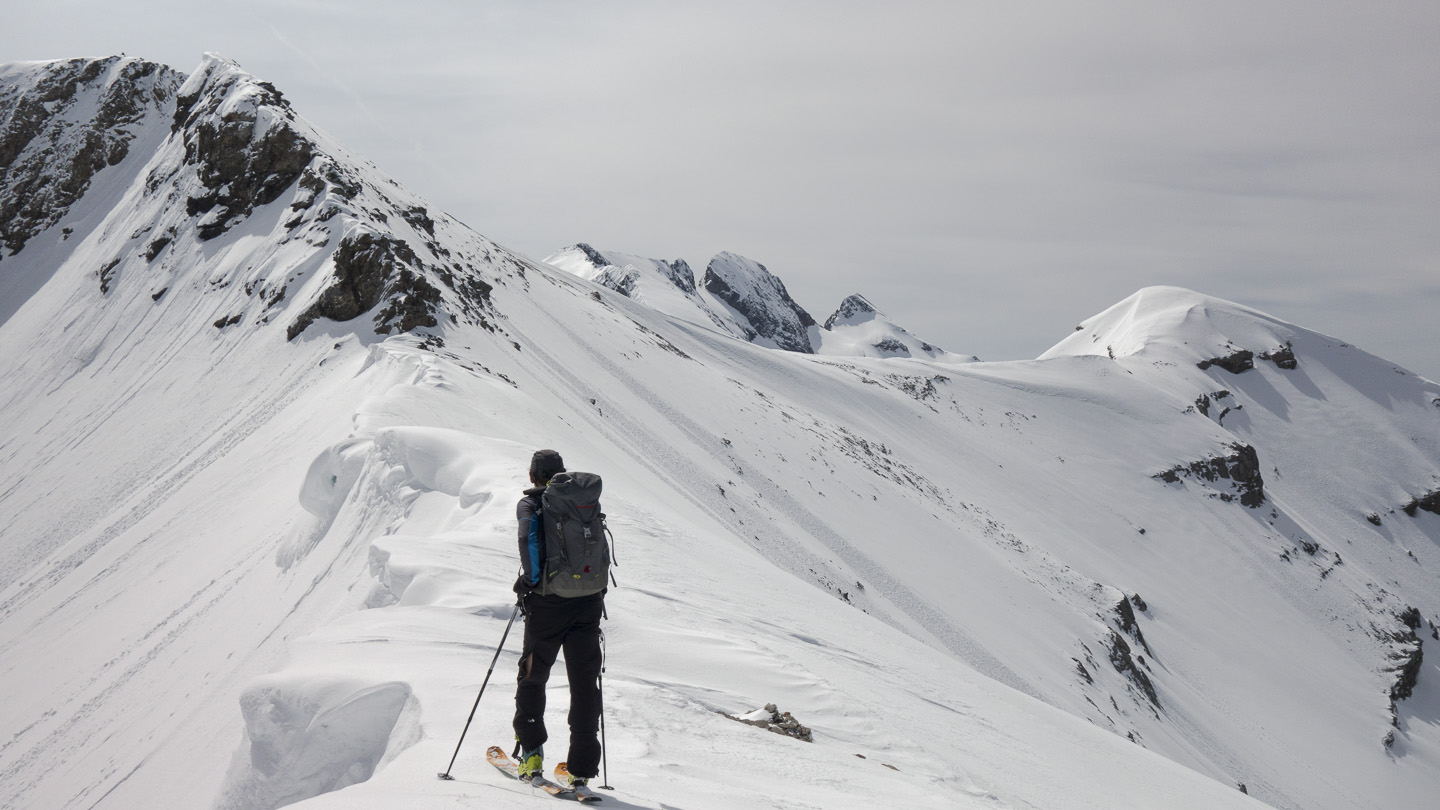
[577, 551]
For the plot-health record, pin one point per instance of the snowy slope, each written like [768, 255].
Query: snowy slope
[258, 535]
[740, 297]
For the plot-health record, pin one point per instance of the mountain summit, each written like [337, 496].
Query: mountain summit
[266, 415]
[741, 297]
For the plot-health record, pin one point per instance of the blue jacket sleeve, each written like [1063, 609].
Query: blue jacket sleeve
[532, 543]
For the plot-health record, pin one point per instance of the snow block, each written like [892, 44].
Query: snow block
[305, 738]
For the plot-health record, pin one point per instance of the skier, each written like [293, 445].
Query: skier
[554, 623]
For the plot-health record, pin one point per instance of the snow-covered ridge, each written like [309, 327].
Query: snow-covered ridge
[1169, 318]
[256, 521]
[741, 297]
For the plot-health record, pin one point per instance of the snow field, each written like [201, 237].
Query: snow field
[678, 655]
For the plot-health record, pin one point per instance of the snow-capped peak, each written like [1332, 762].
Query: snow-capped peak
[853, 310]
[759, 301]
[228, 195]
[859, 328]
[741, 297]
[1175, 320]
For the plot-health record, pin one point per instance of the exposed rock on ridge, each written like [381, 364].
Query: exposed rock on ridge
[239, 135]
[220, 146]
[50, 149]
[367, 269]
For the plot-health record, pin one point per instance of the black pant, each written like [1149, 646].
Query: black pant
[553, 623]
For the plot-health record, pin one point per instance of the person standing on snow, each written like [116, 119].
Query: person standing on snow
[555, 622]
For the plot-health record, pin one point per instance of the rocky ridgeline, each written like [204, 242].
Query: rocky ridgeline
[227, 145]
[240, 138]
[62, 123]
[741, 297]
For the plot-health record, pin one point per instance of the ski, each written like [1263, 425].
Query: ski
[583, 793]
[510, 768]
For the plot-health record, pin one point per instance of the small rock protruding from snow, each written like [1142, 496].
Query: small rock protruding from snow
[772, 719]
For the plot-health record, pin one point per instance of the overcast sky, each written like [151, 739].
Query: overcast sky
[987, 173]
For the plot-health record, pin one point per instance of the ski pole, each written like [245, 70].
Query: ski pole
[446, 775]
[604, 754]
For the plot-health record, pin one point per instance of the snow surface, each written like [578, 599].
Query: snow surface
[242, 571]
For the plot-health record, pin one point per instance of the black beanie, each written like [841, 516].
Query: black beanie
[544, 464]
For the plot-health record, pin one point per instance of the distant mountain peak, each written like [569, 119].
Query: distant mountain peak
[596, 257]
[853, 308]
[760, 299]
[1182, 323]
[741, 297]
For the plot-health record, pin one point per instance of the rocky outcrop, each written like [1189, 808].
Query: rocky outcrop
[1124, 663]
[367, 269]
[1235, 362]
[680, 274]
[1283, 357]
[1242, 360]
[48, 154]
[623, 280]
[1241, 468]
[1430, 502]
[1406, 656]
[1125, 617]
[244, 148]
[771, 718]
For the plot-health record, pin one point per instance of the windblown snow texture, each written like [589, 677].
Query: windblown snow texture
[267, 414]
